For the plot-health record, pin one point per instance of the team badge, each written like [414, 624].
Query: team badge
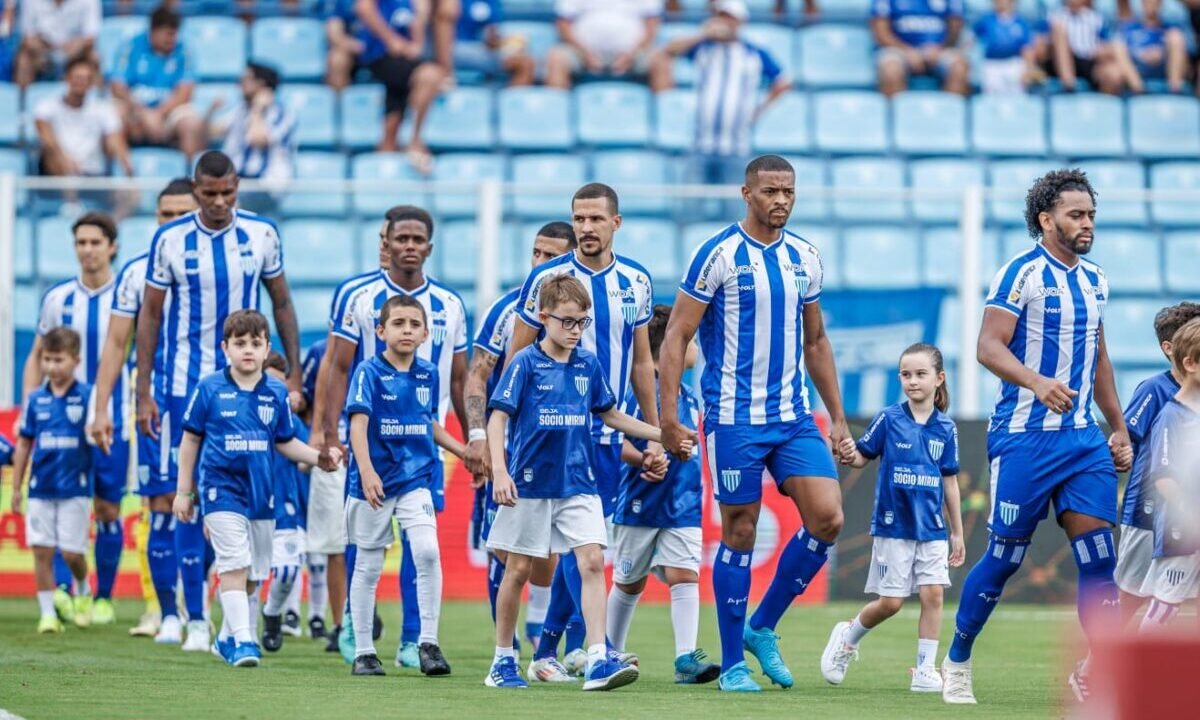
[636, 506]
[582, 382]
[730, 479]
[428, 508]
[936, 447]
[882, 568]
[74, 413]
[423, 394]
[802, 283]
[889, 517]
[266, 413]
[528, 475]
[630, 312]
[1174, 576]
[212, 494]
[626, 566]
[438, 333]
[1009, 512]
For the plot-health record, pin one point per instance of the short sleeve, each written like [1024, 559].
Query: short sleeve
[872, 442]
[127, 298]
[362, 389]
[1139, 415]
[816, 279]
[490, 336]
[308, 372]
[770, 69]
[45, 110]
[187, 66]
[527, 303]
[92, 19]
[158, 265]
[646, 311]
[285, 426]
[949, 460]
[272, 253]
[511, 388]
[110, 122]
[49, 316]
[197, 410]
[706, 272]
[1162, 458]
[345, 321]
[28, 427]
[603, 398]
[6, 451]
[1008, 291]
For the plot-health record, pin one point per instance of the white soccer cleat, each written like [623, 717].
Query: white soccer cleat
[198, 639]
[171, 631]
[956, 683]
[1078, 682]
[576, 662]
[548, 670]
[837, 656]
[926, 679]
[147, 626]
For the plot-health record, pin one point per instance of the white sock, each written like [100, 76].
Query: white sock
[503, 652]
[236, 605]
[318, 591]
[45, 600]
[539, 603]
[926, 652]
[428, 559]
[293, 597]
[252, 604]
[226, 631]
[82, 587]
[856, 632]
[685, 616]
[367, 568]
[281, 588]
[620, 616]
[596, 654]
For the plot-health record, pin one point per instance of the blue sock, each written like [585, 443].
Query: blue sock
[110, 538]
[495, 577]
[62, 573]
[1097, 600]
[558, 614]
[981, 592]
[576, 629]
[160, 553]
[731, 591]
[802, 559]
[189, 552]
[410, 614]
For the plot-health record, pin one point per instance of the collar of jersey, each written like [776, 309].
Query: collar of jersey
[388, 364]
[587, 270]
[758, 244]
[50, 391]
[209, 231]
[1055, 261]
[909, 413]
[229, 377]
[93, 293]
[574, 354]
[411, 293]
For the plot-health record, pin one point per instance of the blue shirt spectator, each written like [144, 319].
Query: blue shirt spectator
[1157, 48]
[918, 37]
[1003, 35]
[918, 22]
[400, 16]
[153, 72]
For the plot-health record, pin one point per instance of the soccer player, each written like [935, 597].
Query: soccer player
[317, 562]
[917, 446]
[656, 528]
[60, 484]
[84, 304]
[208, 264]
[1042, 335]
[235, 420]
[551, 391]
[158, 542]
[1136, 548]
[753, 291]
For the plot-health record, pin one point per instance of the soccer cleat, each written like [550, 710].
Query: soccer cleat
[377, 628]
[291, 624]
[367, 665]
[433, 662]
[690, 669]
[576, 662]
[610, 675]
[737, 679]
[332, 645]
[1078, 682]
[272, 633]
[408, 655]
[347, 646]
[763, 644]
[198, 636]
[956, 683]
[316, 627]
[548, 670]
[49, 624]
[147, 625]
[624, 658]
[245, 654]
[505, 674]
[171, 632]
[926, 679]
[63, 605]
[82, 610]
[224, 649]
[103, 612]
[837, 656]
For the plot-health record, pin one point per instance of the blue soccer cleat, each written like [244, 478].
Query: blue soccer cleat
[609, 675]
[224, 649]
[346, 642]
[505, 674]
[246, 654]
[762, 645]
[408, 655]
[737, 679]
[690, 669]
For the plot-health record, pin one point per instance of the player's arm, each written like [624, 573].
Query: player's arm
[993, 353]
[444, 439]
[630, 455]
[478, 458]
[681, 328]
[340, 355]
[1109, 403]
[302, 453]
[149, 322]
[112, 360]
[458, 381]
[631, 426]
[818, 361]
[31, 374]
[318, 436]
[523, 335]
[185, 492]
[952, 501]
[289, 335]
[504, 490]
[20, 463]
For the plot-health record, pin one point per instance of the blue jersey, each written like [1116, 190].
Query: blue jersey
[1175, 456]
[1059, 311]
[401, 407]
[127, 303]
[1140, 37]
[918, 22]
[495, 333]
[62, 460]
[913, 459]
[727, 73]
[674, 502]
[476, 17]
[291, 501]
[1150, 396]
[399, 15]
[337, 9]
[240, 429]
[150, 77]
[1003, 36]
[310, 367]
[752, 333]
[550, 406]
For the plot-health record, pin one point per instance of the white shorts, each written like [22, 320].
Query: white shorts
[371, 529]
[638, 551]
[1173, 579]
[239, 542]
[327, 511]
[1004, 76]
[287, 548]
[537, 527]
[899, 567]
[61, 524]
[1133, 559]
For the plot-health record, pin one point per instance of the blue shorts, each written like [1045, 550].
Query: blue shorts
[607, 470]
[1072, 468]
[158, 458]
[739, 454]
[485, 507]
[111, 472]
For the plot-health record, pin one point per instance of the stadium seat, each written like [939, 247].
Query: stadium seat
[55, 248]
[1009, 180]
[465, 168]
[810, 173]
[622, 168]
[784, 127]
[777, 41]
[516, 242]
[154, 162]
[361, 113]
[462, 120]
[1129, 330]
[827, 242]
[205, 94]
[547, 169]
[941, 258]
[15, 162]
[1175, 176]
[1183, 263]
[23, 252]
[217, 46]
[1087, 125]
[613, 114]
[1164, 126]
[315, 108]
[10, 114]
[368, 245]
[655, 245]
[1133, 260]
[294, 47]
[949, 175]
[675, 119]
[846, 9]
[851, 122]
[552, 109]
[114, 33]
[851, 176]
[134, 235]
[26, 302]
[460, 238]
[1008, 125]
[314, 251]
[883, 257]
[391, 168]
[1013, 242]
[314, 165]
[929, 123]
[836, 56]
[539, 36]
[312, 308]
[949, 336]
[1110, 178]
[694, 235]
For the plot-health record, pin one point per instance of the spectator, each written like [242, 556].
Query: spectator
[446, 14]
[260, 137]
[393, 38]
[9, 40]
[153, 85]
[1080, 47]
[1157, 50]
[610, 37]
[79, 132]
[1009, 49]
[919, 37]
[341, 37]
[53, 32]
[480, 47]
[811, 10]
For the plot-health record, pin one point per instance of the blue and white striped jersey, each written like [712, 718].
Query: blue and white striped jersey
[495, 333]
[1059, 312]
[728, 79]
[209, 274]
[752, 334]
[275, 161]
[622, 301]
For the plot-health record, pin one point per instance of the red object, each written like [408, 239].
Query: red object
[1148, 676]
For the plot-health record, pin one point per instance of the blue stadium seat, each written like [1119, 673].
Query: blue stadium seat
[675, 119]
[1164, 126]
[312, 308]
[361, 113]
[315, 251]
[1129, 330]
[206, 93]
[949, 336]
[368, 246]
[942, 175]
[811, 173]
[516, 244]
[1133, 259]
[540, 36]
[217, 46]
[654, 244]
[10, 114]
[1175, 176]
[391, 168]
[55, 248]
[858, 174]
[315, 109]
[26, 303]
[784, 127]
[836, 56]
[929, 123]
[462, 120]
[314, 165]
[696, 234]
[777, 41]
[881, 257]
[33, 96]
[134, 235]
[23, 251]
[846, 9]
[851, 122]
[613, 114]
[620, 168]
[1087, 125]
[825, 239]
[1013, 178]
[1008, 125]
[547, 169]
[154, 162]
[294, 47]
[552, 108]
[1183, 263]
[465, 168]
[941, 259]
[461, 238]
[1014, 242]
[15, 162]
[1114, 176]
[114, 33]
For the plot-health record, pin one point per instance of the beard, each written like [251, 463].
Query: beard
[1077, 243]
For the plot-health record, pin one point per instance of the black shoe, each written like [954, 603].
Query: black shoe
[291, 621]
[433, 662]
[272, 633]
[367, 665]
[316, 627]
[377, 628]
[332, 646]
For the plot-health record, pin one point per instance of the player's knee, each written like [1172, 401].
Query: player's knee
[107, 511]
[890, 605]
[826, 524]
[590, 560]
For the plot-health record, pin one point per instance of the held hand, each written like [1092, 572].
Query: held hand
[654, 467]
[673, 436]
[372, 488]
[478, 459]
[147, 416]
[504, 490]
[478, 481]
[846, 450]
[839, 433]
[183, 507]
[958, 551]
[1056, 396]
[329, 458]
[1122, 451]
[102, 430]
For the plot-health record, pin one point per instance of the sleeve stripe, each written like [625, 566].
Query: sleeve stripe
[693, 294]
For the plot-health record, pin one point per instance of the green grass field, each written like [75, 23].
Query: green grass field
[103, 673]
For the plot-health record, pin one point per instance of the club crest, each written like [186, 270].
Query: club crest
[74, 413]
[936, 447]
[1009, 512]
[731, 479]
[423, 395]
[582, 382]
[266, 413]
[630, 312]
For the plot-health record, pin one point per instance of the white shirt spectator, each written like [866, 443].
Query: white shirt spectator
[81, 131]
[608, 27]
[59, 21]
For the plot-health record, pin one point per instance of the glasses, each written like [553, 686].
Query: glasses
[572, 323]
